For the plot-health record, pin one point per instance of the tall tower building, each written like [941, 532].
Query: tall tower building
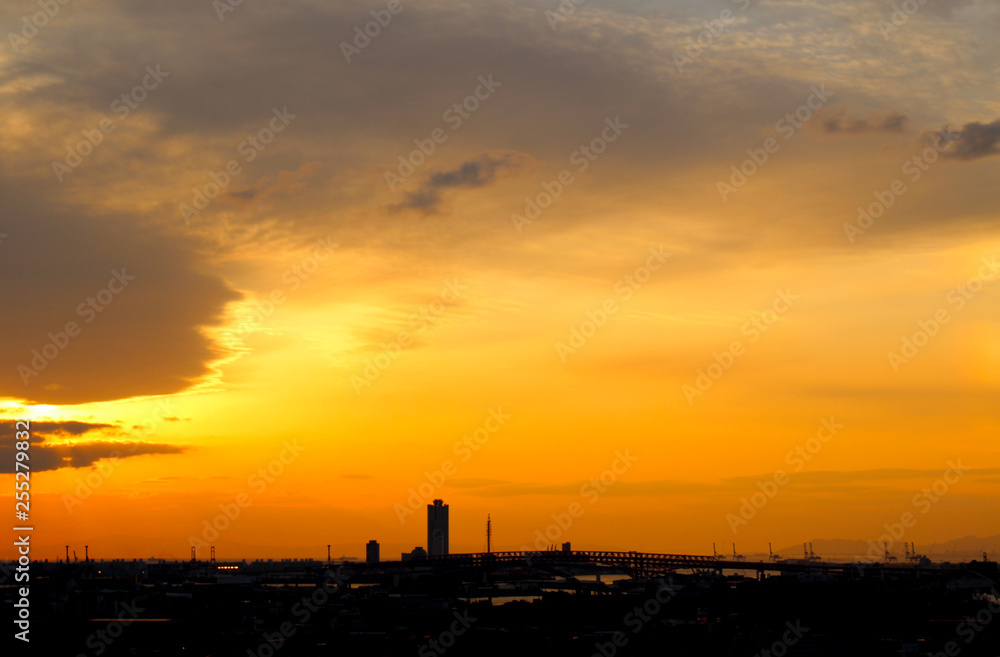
[437, 528]
[372, 552]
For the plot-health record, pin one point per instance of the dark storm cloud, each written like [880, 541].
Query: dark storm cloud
[842, 123]
[480, 172]
[142, 336]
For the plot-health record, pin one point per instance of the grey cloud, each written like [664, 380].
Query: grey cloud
[471, 174]
[840, 122]
[976, 140]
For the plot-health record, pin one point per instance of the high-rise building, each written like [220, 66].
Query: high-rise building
[437, 528]
[371, 552]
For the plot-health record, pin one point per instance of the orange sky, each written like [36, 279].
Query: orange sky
[571, 279]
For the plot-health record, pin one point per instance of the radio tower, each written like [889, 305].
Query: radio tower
[489, 534]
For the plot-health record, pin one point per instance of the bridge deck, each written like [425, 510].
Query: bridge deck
[633, 562]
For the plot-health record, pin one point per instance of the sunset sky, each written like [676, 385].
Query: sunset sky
[666, 242]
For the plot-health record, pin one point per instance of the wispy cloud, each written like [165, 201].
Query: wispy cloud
[482, 171]
[840, 122]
